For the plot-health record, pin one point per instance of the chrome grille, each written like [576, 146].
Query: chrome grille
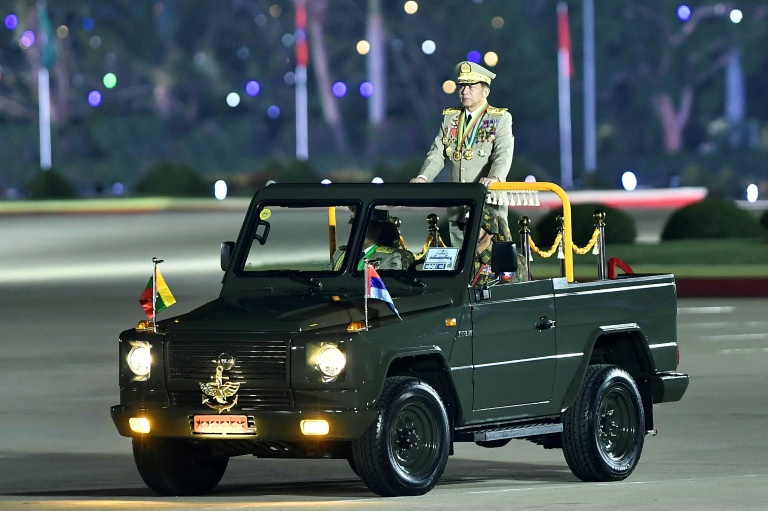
[257, 362]
[247, 399]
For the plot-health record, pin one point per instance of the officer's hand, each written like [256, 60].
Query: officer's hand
[418, 180]
[488, 181]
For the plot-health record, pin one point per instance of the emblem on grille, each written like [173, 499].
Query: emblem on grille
[216, 394]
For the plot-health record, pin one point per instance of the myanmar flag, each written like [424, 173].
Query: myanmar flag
[164, 297]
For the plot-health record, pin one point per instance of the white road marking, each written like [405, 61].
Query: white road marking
[735, 337]
[705, 310]
[97, 270]
[742, 351]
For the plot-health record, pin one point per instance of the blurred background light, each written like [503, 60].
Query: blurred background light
[275, 11]
[273, 112]
[339, 89]
[397, 44]
[11, 22]
[428, 47]
[683, 12]
[62, 32]
[117, 188]
[87, 24]
[491, 58]
[288, 40]
[243, 53]
[366, 89]
[363, 47]
[752, 193]
[94, 42]
[109, 80]
[377, 180]
[497, 22]
[289, 78]
[325, 181]
[474, 56]
[27, 39]
[530, 178]
[629, 181]
[449, 86]
[260, 20]
[252, 88]
[220, 189]
[233, 99]
[411, 7]
[736, 16]
[94, 98]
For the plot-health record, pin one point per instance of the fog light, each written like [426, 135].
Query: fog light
[139, 424]
[315, 427]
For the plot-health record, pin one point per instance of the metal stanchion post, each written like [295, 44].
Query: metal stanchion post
[524, 222]
[599, 217]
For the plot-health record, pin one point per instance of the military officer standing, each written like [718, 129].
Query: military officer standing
[475, 139]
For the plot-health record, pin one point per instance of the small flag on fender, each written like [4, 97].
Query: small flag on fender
[374, 288]
[163, 299]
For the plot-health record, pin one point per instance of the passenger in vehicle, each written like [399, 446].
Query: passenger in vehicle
[494, 228]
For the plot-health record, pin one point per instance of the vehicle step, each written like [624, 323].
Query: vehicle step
[502, 433]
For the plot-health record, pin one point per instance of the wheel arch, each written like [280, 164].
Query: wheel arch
[625, 347]
[433, 369]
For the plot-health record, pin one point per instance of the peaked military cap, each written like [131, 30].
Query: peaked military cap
[469, 72]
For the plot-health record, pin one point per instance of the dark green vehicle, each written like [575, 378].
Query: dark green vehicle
[299, 358]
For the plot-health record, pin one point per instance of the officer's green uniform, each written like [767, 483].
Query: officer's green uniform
[483, 148]
[382, 257]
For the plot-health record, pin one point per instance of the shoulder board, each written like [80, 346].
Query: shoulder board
[386, 250]
[449, 111]
[496, 111]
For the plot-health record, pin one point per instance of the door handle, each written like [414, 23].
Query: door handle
[545, 323]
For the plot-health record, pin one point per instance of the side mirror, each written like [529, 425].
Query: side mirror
[227, 247]
[503, 257]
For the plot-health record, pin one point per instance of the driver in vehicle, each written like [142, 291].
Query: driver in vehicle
[381, 246]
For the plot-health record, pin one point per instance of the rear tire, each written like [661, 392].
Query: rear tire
[404, 452]
[604, 430]
[172, 467]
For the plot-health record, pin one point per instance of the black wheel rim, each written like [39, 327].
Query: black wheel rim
[414, 439]
[616, 424]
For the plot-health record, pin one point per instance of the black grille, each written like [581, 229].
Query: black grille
[247, 399]
[256, 361]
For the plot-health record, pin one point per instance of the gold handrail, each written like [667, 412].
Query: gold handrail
[567, 229]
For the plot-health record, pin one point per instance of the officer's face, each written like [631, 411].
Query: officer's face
[473, 95]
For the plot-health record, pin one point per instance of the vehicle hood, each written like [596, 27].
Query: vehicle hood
[298, 313]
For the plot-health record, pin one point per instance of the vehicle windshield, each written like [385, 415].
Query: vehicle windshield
[319, 239]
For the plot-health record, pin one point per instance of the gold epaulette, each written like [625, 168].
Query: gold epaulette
[386, 250]
[449, 111]
[496, 110]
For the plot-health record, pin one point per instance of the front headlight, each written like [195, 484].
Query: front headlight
[326, 361]
[331, 360]
[140, 359]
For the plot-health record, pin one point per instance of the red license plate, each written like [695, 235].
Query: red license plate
[220, 424]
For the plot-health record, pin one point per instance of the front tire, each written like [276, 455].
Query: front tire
[172, 467]
[404, 452]
[604, 430]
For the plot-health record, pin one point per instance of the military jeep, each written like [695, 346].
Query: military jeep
[297, 359]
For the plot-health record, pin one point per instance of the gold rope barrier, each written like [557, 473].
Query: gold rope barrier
[592, 241]
[549, 252]
[556, 244]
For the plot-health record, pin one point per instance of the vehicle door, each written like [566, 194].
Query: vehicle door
[513, 345]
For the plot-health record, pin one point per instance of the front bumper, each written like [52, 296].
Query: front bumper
[669, 386]
[283, 426]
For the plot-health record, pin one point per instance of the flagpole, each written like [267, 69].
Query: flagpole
[367, 283]
[564, 95]
[155, 262]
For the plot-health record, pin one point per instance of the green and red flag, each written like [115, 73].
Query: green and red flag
[163, 299]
